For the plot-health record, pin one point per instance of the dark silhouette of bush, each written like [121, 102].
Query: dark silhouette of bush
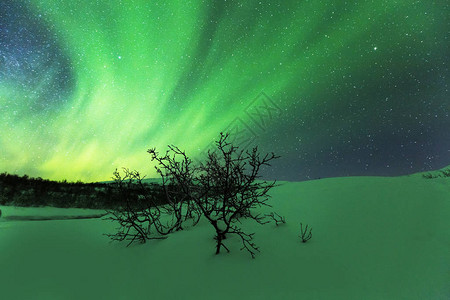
[276, 218]
[305, 234]
[141, 212]
[224, 188]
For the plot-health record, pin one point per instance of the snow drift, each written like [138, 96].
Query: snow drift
[373, 238]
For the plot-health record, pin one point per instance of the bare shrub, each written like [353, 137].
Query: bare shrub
[224, 188]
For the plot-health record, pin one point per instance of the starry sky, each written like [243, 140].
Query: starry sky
[336, 88]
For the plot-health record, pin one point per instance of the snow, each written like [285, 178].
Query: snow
[53, 213]
[373, 238]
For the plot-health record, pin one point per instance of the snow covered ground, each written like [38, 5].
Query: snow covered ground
[373, 238]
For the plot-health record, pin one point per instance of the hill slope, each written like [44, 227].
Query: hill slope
[373, 238]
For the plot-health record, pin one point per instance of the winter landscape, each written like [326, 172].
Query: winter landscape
[330, 123]
[373, 238]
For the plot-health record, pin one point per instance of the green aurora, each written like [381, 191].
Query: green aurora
[151, 73]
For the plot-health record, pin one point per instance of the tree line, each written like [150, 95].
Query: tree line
[27, 191]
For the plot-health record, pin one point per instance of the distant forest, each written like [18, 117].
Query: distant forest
[27, 191]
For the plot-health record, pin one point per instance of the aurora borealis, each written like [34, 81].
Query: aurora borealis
[359, 88]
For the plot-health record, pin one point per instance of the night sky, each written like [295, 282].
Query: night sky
[335, 88]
